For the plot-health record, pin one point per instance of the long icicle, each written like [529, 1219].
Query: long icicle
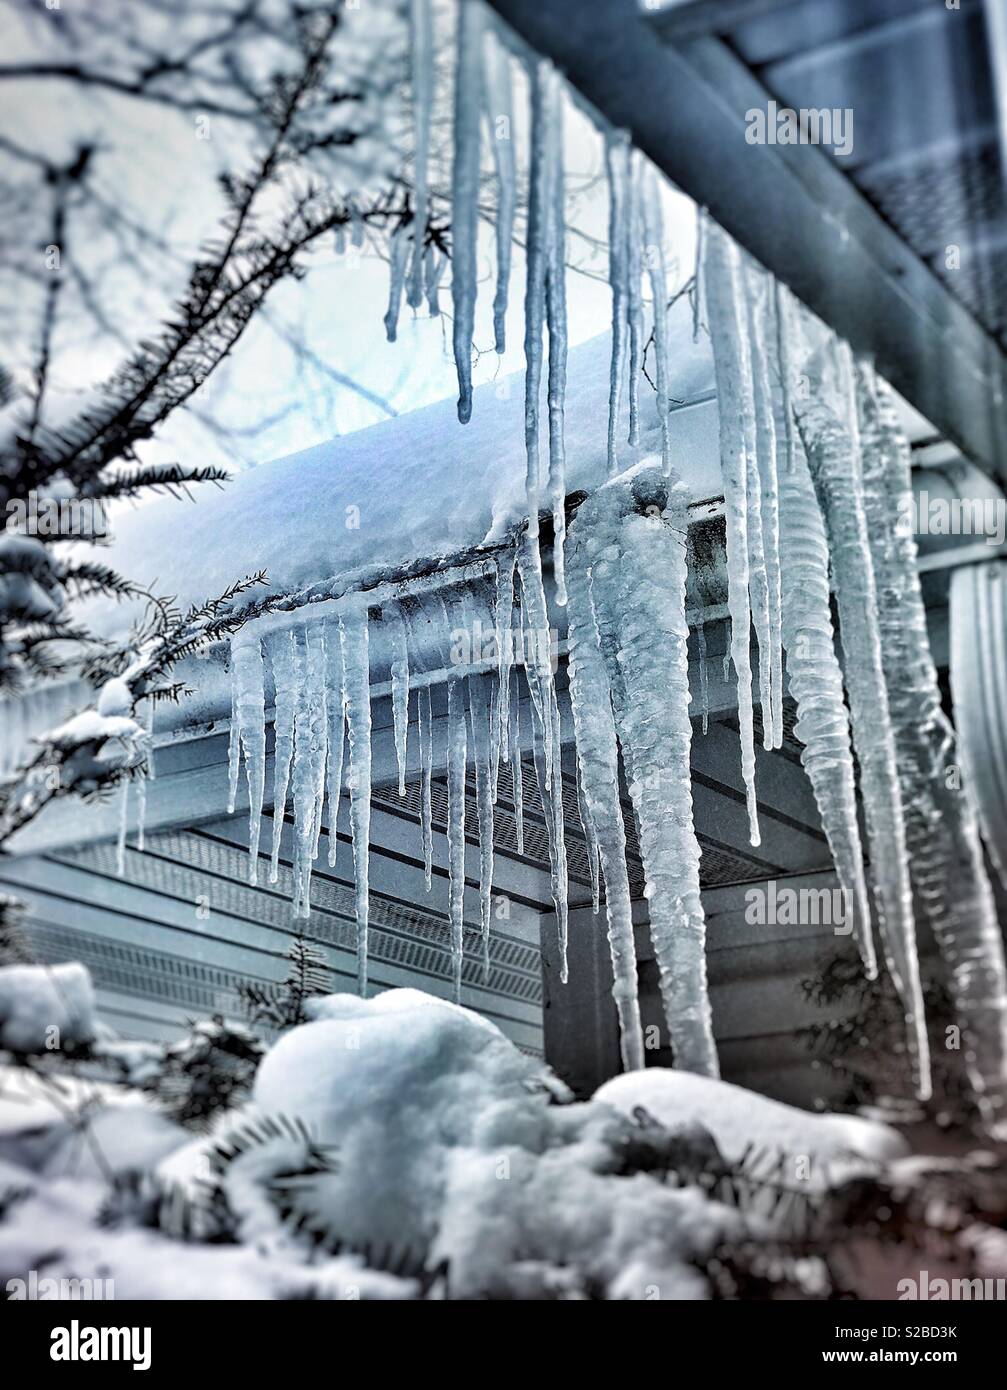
[517, 768]
[335, 710]
[465, 195]
[284, 658]
[653, 232]
[400, 694]
[479, 719]
[503, 623]
[422, 77]
[457, 757]
[617, 151]
[426, 736]
[720, 280]
[816, 684]
[535, 283]
[500, 119]
[634, 289]
[636, 556]
[308, 777]
[353, 636]
[598, 764]
[556, 316]
[836, 472]
[246, 661]
[538, 670]
[765, 449]
[942, 836]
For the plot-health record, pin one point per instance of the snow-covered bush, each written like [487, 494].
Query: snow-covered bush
[402, 1147]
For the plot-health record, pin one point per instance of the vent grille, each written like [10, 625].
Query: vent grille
[936, 201]
[178, 862]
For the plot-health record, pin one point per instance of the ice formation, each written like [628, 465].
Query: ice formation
[421, 50]
[814, 473]
[500, 119]
[465, 195]
[457, 756]
[629, 552]
[250, 714]
[721, 275]
[617, 161]
[834, 461]
[353, 636]
[942, 837]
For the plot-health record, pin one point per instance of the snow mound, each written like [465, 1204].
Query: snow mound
[45, 1007]
[450, 1148]
[739, 1119]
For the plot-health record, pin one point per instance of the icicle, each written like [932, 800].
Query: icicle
[634, 302]
[500, 119]
[765, 449]
[400, 694]
[465, 195]
[308, 778]
[942, 837]
[598, 768]
[335, 713]
[816, 684]
[479, 718]
[434, 264]
[120, 844]
[591, 841]
[422, 66]
[250, 711]
[788, 375]
[617, 151]
[233, 749]
[636, 559]
[653, 231]
[758, 579]
[538, 670]
[353, 637]
[503, 619]
[535, 281]
[836, 472]
[722, 299]
[457, 755]
[517, 769]
[287, 675]
[146, 775]
[704, 679]
[556, 315]
[398, 257]
[426, 734]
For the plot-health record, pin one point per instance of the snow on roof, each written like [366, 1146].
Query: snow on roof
[420, 485]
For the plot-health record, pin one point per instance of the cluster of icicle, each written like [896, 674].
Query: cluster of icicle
[319, 668]
[842, 492]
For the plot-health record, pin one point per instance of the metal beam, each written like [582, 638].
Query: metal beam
[790, 206]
